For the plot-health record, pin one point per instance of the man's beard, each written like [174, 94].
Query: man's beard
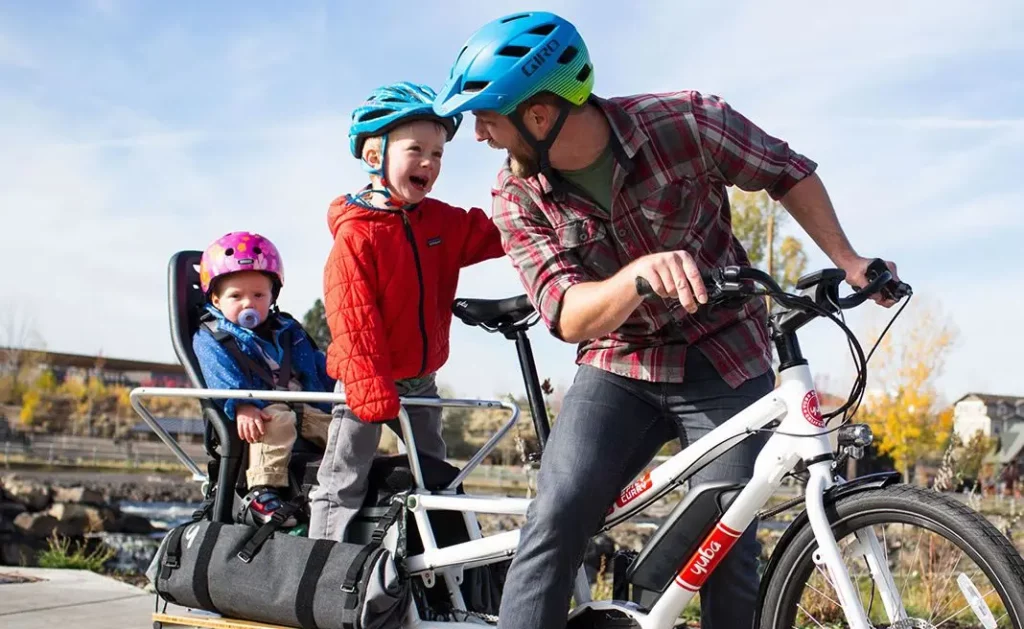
[522, 161]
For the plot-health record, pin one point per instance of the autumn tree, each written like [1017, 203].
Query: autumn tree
[756, 220]
[20, 353]
[903, 406]
[315, 322]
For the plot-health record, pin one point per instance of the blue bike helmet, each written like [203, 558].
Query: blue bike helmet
[394, 104]
[513, 58]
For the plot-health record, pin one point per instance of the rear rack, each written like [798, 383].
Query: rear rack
[138, 394]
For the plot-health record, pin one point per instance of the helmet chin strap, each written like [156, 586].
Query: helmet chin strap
[392, 201]
[541, 147]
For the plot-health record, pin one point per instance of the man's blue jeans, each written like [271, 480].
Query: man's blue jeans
[609, 428]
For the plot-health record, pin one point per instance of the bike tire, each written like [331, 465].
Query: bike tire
[978, 538]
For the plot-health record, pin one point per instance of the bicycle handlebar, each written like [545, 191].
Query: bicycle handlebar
[731, 281]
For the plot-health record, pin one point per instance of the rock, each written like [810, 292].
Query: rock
[36, 525]
[133, 524]
[78, 495]
[10, 510]
[35, 496]
[77, 520]
[21, 552]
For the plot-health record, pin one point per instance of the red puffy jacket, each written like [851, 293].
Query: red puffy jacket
[389, 284]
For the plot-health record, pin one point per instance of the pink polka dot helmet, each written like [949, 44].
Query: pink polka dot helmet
[240, 251]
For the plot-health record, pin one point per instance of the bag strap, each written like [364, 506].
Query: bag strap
[201, 576]
[355, 569]
[262, 534]
[172, 556]
[306, 592]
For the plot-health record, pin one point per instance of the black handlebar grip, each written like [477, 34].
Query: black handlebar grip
[892, 290]
[644, 288]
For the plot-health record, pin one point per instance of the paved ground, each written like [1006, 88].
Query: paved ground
[70, 598]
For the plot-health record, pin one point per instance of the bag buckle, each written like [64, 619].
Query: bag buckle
[172, 563]
[348, 589]
[245, 555]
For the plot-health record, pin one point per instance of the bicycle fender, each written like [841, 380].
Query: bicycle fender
[832, 494]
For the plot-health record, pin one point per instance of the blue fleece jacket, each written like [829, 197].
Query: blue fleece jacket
[220, 371]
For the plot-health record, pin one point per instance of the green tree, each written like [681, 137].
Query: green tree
[756, 219]
[315, 322]
[971, 455]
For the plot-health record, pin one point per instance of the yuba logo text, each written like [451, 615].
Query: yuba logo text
[812, 409]
[704, 557]
[709, 554]
[629, 494]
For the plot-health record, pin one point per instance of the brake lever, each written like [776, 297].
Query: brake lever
[893, 290]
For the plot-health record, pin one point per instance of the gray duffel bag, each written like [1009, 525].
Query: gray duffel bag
[270, 576]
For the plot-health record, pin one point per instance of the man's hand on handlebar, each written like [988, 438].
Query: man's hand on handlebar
[672, 274]
[859, 273]
[717, 284]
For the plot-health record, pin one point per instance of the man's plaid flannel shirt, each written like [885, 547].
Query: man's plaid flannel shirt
[675, 156]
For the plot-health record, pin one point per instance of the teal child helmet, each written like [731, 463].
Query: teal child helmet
[395, 104]
[514, 57]
[386, 108]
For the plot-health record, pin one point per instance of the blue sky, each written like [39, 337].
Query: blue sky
[132, 130]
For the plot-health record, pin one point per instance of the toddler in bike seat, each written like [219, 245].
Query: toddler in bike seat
[245, 342]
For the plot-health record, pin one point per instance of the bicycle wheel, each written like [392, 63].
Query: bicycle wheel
[941, 556]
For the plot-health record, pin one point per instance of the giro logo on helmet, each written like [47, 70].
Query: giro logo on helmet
[542, 55]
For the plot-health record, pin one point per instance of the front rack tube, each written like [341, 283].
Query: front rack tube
[138, 394]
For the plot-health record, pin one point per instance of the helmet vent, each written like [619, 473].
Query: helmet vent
[371, 115]
[229, 251]
[584, 73]
[568, 55]
[514, 51]
[257, 250]
[514, 17]
[543, 29]
[474, 86]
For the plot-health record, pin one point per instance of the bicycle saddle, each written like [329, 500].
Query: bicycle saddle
[492, 312]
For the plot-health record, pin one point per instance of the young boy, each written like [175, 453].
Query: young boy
[389, 284]
[244, 342]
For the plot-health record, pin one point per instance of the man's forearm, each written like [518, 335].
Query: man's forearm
[594, 309]
[809, 204]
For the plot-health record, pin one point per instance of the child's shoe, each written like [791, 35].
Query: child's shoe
[260, 504]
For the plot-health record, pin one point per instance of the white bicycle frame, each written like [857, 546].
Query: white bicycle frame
[800, 436]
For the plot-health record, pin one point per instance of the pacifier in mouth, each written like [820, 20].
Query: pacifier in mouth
[249, 318]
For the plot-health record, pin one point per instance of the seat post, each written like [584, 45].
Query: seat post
[534, 395]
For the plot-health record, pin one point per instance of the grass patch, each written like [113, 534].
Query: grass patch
[62, 555]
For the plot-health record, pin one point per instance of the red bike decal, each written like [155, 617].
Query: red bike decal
[709, 554]
[631, 493]
[812, 409]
